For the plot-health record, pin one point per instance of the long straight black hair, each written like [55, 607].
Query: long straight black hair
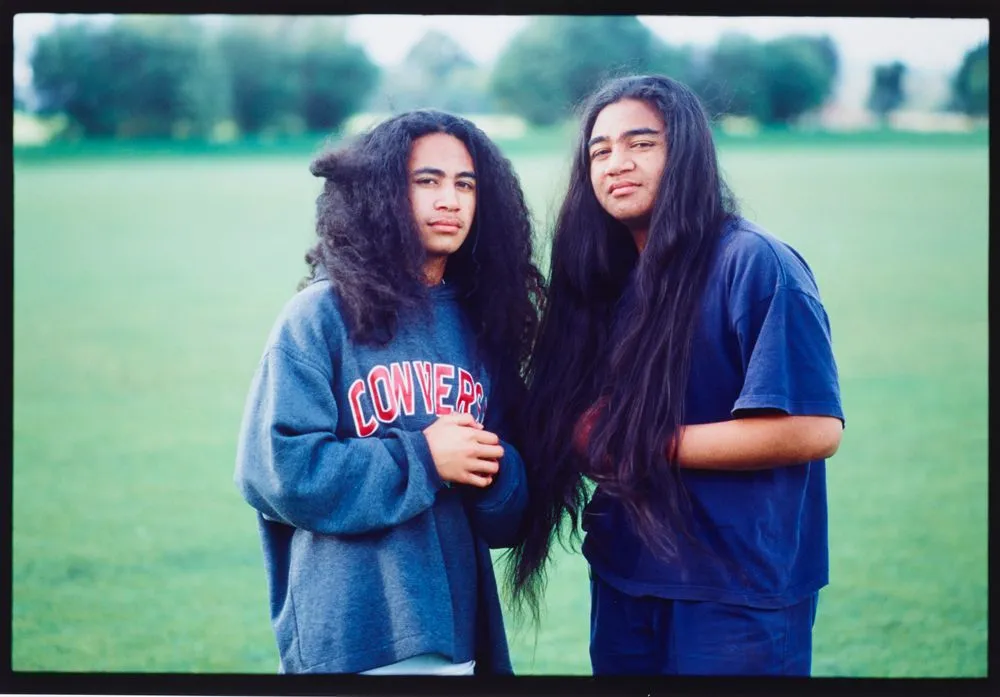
[641, 368]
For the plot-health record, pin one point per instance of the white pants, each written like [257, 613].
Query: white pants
[425, 664]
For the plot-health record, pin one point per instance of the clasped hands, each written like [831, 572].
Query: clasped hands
[464, 452]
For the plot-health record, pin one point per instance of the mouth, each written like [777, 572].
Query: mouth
[446, 224]
[619, 189]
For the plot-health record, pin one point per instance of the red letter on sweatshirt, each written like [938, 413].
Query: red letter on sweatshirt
[386, 410]
[441, 390]
[364, 428]
[466, 392]
[402, 387]
[479, 402]
[423, 370]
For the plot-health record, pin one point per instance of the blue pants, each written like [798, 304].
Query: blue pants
[652, 636]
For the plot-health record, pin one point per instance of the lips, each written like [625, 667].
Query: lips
[622, 188]
[445, 222]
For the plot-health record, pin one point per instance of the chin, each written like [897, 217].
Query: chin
[444, 250]
[628, 213]
[630, 219]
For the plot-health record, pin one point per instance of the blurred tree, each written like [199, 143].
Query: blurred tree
[292, 74]
[971, 83]
[66, 67]
[772, 82]
[887, 89]
[677, 62]
[438, 55]
[336, 76]
[264, 86]
[137, 76]
[150, 75]
[436, 73]
[467, 91]
[799, 73]
[827, 49]
[731, 79]
[554, 62]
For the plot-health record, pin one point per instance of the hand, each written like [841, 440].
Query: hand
[463, 452]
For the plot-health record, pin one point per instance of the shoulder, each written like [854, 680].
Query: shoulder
[755, 263]
[310, 325]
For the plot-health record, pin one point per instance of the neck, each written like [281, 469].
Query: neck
[639, 236]
[434, 270]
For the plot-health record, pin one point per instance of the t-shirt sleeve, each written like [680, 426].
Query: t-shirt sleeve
[786, 347]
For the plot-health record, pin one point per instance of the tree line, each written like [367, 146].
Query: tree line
[161, 76]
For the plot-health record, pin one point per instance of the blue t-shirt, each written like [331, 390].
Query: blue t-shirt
[762, 342]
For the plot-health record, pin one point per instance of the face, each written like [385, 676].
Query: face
[442, 192]
[628, 151]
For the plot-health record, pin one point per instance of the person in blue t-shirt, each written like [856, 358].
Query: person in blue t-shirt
[684, 365]
[373, 444]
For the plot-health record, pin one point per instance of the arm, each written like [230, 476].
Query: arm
[496, 511]
[758, 442]
[293, 468]
[788, 410]
[751, 443]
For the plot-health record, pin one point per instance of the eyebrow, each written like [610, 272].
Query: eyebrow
[627, 134]
[440, 173]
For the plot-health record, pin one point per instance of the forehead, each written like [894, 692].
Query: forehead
[440, 151]
[625, 115]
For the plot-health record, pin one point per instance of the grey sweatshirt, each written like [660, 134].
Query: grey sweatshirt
[370, 557]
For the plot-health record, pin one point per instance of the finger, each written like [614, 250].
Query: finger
[489, 452]
[487, 438]
[477, 480]
[484, 467]
[460, 418]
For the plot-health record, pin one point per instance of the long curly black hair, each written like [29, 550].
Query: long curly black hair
[642, 370]
[369, 242]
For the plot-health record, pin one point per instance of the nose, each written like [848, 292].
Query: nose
[447, 200]
[619, 161]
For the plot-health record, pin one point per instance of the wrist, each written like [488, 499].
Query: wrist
[430, 461]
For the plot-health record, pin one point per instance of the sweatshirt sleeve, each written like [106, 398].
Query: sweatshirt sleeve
[497, 511]
[292, 468]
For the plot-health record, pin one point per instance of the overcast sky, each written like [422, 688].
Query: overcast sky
[920, 42]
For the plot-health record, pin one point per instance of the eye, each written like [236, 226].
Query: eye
[425, 180]
[643, 144]
[467, 185]
[594, 154]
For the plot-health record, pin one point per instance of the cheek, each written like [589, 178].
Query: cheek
[658, 167]
[416, 202]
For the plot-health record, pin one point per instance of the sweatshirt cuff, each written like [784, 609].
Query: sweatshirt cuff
[418, 446]
[504, 484]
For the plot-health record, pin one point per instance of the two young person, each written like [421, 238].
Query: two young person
[411, 411]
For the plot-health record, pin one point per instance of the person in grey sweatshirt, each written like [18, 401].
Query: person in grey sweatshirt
[373, 443]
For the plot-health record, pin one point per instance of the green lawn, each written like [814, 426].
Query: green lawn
[144, 290]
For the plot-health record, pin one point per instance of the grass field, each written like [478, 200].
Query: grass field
[145, 287]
